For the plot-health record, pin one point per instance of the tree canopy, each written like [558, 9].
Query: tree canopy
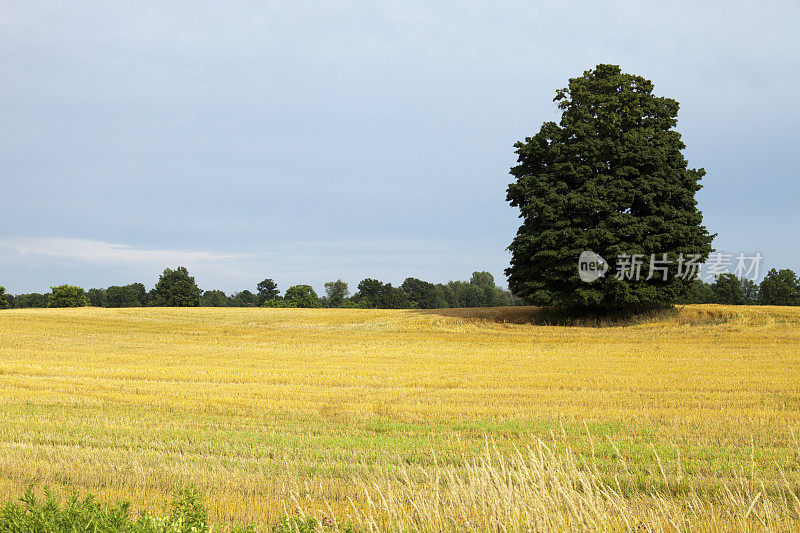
[267, 290]
[373, 293]
[609, 178]
[728, 290]
[780, 287]
[244, 298]
[423, 294]
[29, 300]
[96, 297]
[133, 295]
[301, 296]
[176, 288]
[214, 298]
[67, 296]
[336, 292]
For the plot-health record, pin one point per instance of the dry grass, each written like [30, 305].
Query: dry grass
[259, 405]
[540, 489]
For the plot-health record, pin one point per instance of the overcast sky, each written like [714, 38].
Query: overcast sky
[309, 141]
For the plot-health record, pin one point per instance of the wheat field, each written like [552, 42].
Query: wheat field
[411, 420]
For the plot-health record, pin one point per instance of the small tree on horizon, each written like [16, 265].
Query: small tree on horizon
[779, 287]
[132, 295]
[175, 288]
[67, 296]
[214, 298]
[423, 294]
[336, 292]
[267, 290]
[96, 297]
[31, 300]
[728, 290]
[373, 293]
[244, 298]
[749, 291]
[301, 296]
[3, 299]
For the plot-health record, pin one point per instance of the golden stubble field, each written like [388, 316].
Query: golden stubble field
[426, 420]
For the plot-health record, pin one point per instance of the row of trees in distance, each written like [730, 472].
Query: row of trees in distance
[779, 287]
[177, 288]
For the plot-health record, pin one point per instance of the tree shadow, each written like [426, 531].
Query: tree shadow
[553, 316]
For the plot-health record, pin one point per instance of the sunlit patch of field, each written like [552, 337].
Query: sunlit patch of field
[273, 410]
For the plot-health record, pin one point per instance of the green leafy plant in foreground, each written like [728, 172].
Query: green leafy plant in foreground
[32, 515]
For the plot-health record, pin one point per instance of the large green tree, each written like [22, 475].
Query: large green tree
[175, 288]
[609, 177]
[3, 299]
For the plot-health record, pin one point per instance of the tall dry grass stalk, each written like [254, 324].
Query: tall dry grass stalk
[548, 487]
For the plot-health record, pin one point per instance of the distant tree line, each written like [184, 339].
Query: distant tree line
[177, 288]
[779, 287]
